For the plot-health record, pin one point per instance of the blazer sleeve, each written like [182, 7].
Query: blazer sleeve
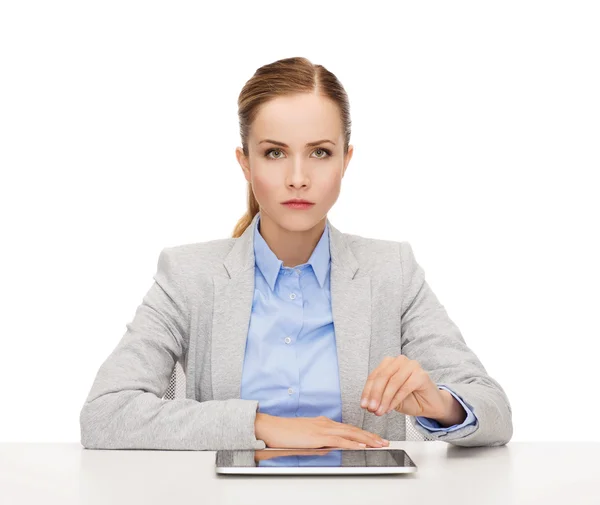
[433, 425]
[431, 338]
[125, 408]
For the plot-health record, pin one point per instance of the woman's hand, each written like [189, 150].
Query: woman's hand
[312, 433]
[401, 384]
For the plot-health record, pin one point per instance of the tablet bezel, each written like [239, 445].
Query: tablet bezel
[319, 470]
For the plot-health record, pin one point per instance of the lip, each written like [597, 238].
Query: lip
[298, 205]
[298, 200]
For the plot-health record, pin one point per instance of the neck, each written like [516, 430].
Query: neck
[292, 247]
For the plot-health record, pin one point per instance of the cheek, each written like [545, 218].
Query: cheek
[265, 185]
[330, 185]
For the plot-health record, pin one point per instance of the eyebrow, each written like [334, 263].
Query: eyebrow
[309, 144]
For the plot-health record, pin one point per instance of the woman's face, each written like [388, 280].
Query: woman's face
[293, 169]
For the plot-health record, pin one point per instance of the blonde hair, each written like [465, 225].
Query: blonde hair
[280, 78]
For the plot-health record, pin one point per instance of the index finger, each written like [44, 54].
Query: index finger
[371, 380]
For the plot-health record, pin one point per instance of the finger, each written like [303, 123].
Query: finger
[373, 438]
[356, 435]
[397, 382]
[381, 380]
[412, 384]
[356, 429]
[351, 431]
[379, 375]
[338, 441]
[369, 384]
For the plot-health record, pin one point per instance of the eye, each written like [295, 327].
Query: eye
[322, 149]
[272, 151]
[326, 151]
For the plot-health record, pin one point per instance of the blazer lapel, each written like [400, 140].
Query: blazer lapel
[351, 309]
[232, 308]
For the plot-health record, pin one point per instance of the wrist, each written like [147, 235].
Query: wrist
[260, 422]
[453, 412]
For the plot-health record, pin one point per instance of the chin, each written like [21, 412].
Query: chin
[301, 222]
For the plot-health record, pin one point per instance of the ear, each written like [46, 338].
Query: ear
[244, 163]
[347, 158]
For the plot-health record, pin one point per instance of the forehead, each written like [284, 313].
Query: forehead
[297, 117]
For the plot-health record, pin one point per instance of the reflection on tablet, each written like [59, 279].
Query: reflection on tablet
[395, 458]
[324, 458]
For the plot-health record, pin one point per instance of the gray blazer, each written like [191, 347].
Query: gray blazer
[198, 309]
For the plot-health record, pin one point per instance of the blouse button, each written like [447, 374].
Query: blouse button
[288, 340]
[290, 391]
[293, 295]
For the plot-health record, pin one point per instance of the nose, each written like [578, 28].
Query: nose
[298, 175]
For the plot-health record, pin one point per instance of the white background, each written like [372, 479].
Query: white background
[476, 132]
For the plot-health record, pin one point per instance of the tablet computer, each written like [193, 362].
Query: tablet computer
[314, 461]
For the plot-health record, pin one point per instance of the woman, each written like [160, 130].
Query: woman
[292, 334]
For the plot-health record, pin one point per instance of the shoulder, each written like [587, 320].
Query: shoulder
[189, 261]
[376, 254]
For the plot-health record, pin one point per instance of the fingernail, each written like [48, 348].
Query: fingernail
[373, 404]
[380, 410]
[362, 445]
[364, 402]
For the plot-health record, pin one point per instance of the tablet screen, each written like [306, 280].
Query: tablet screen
[342, 458]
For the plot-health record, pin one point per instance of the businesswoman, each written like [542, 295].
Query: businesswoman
[291, 333]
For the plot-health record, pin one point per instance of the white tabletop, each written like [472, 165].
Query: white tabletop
[518, 473]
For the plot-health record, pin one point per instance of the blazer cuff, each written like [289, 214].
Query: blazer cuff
[433, 426]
